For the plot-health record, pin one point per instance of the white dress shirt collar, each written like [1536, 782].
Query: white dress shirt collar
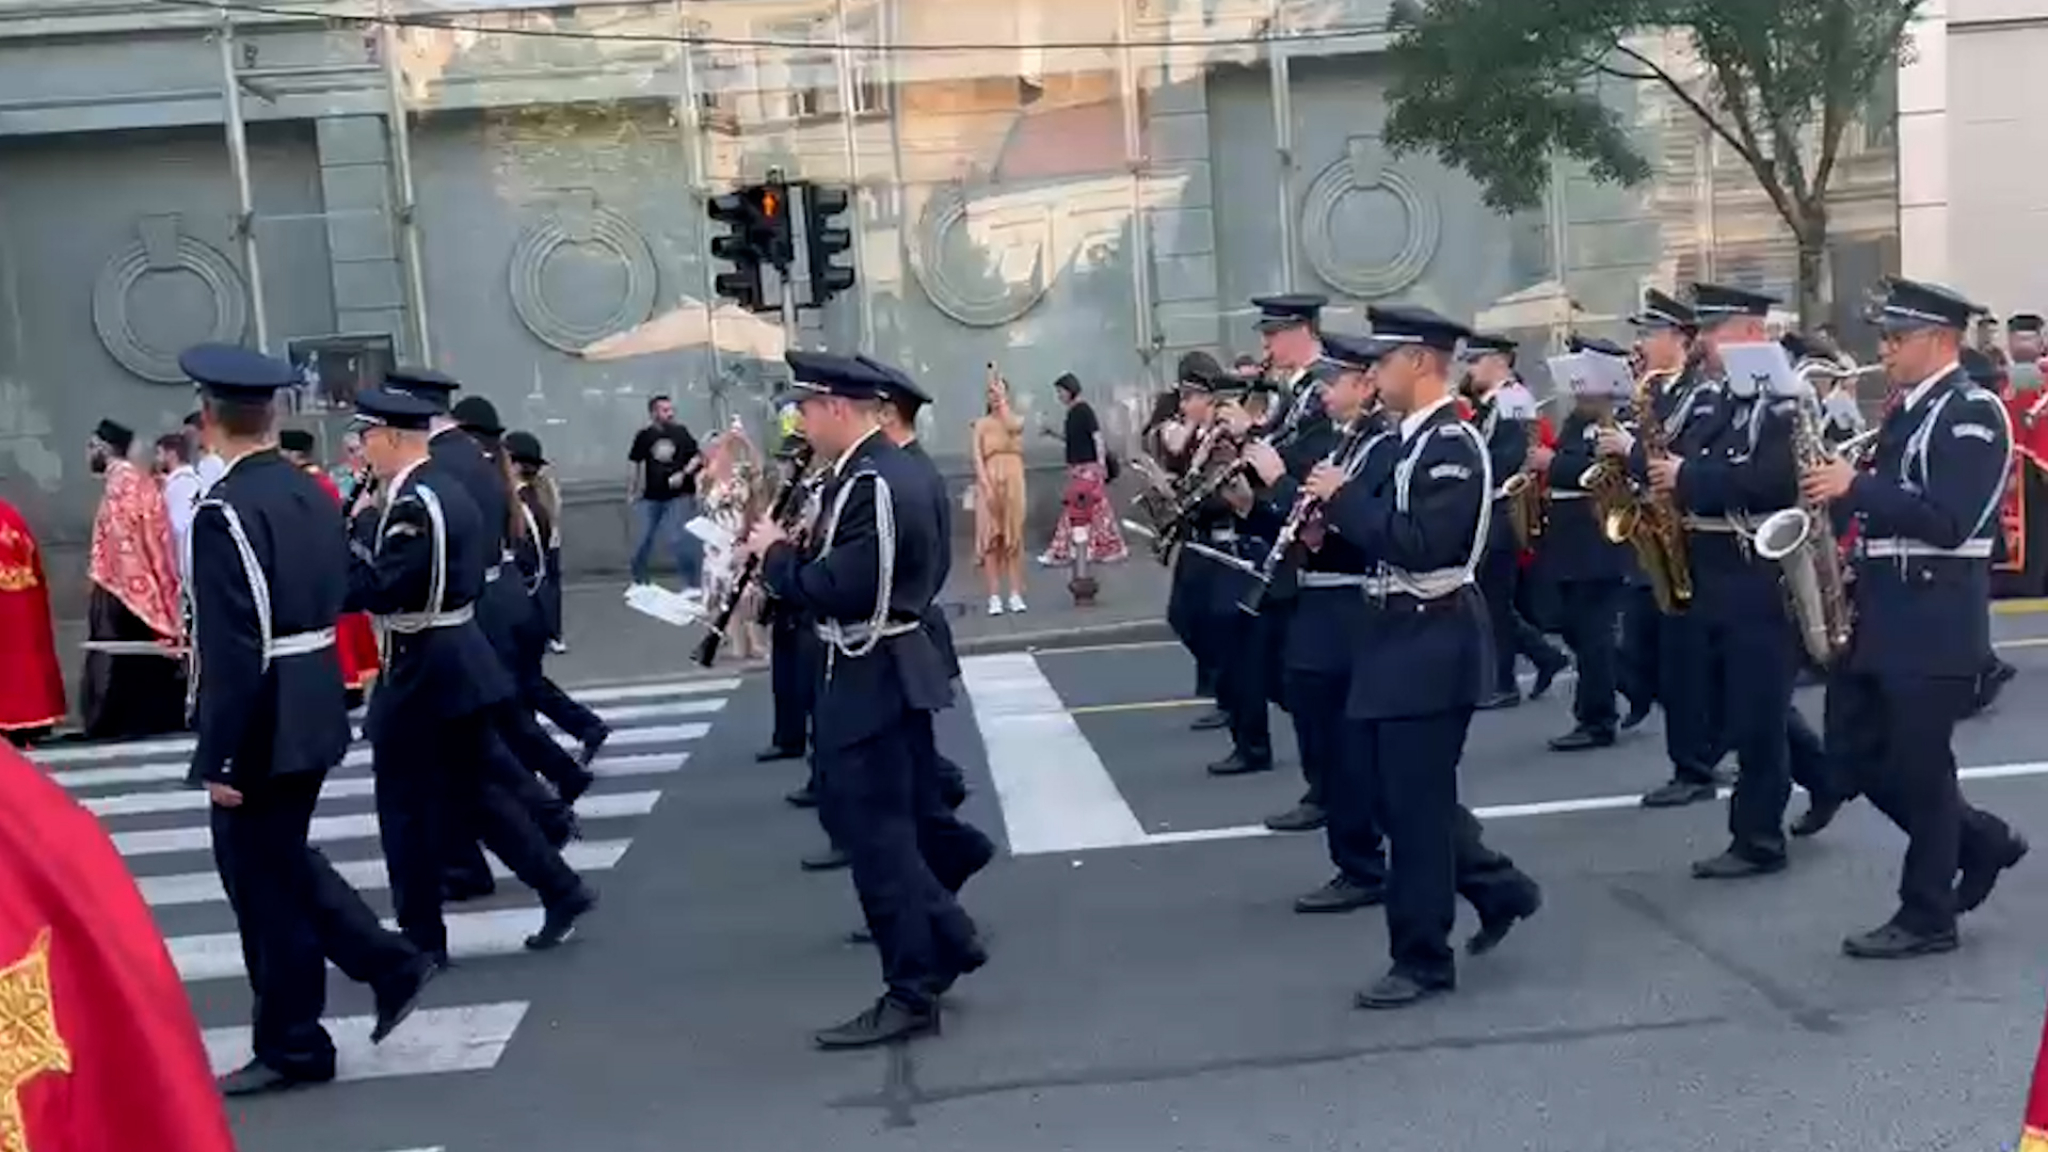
[1921, 390]
[1413, 422]
[839, 465]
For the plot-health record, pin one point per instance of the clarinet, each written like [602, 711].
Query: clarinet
[788, 502]
[1305, 506]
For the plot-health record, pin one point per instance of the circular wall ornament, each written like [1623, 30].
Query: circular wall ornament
[1357, 171]
[167, 253]
[976, 306]
[598, 227]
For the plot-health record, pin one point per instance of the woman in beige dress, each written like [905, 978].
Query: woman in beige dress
[999, 498]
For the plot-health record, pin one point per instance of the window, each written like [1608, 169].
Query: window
[798, 82]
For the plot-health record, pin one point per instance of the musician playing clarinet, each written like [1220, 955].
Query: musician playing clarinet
[1925, 514]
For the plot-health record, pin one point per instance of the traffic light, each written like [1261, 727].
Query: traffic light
[826, 236]
[757, 217]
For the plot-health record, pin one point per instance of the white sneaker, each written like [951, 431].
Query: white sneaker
[995, 605]
[1016, 602]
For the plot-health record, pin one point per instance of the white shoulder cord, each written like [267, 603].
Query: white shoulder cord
[885, 547]
[540, 560]
[259, 596]
[1479, 538]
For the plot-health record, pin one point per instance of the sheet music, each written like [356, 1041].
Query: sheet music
[1763, 369]
[1591, 375]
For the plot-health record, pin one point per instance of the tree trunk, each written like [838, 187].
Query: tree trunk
[1814, 290]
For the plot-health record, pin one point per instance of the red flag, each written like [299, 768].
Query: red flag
[354, 641]
[31, 683]
[103, 1053]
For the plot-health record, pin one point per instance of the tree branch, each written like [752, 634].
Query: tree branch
[1699, 109]
[1766, 171]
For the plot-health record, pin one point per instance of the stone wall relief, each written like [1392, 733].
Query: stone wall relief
[579, 220]
[1365, 169]
[161, 247]
[1008, 277]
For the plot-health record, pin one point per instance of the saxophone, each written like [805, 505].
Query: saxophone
[1801, 542]
[1657, 531]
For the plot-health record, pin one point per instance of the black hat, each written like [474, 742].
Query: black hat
[1289, 310]
[524, 448]
[1713, 303]
[424, 383]
[236, 373]
[829, 374]
[2024, 322]
[1354, 353]
[295, 440]
[1981, 369]
[390, 408]
[1911, 304]
[1488, 344]
[119, 437]
[1400, 325]
[1577, 343]
[478, 416]
[1198, 365]
[902, 391]
[1662, 311]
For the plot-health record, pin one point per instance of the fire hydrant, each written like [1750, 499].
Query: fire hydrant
[1080, 513]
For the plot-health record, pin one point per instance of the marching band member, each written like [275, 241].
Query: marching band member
[1327, 621]
[1506, 415]
[1589, 568]
[869, 576]
[1926, 510]
[1187, 592]
[1417, 512]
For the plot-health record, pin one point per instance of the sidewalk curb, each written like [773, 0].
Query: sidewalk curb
[1044, 640]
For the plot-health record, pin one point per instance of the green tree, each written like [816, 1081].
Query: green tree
[1499, 87]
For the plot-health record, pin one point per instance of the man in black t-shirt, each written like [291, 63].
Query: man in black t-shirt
[663, 489]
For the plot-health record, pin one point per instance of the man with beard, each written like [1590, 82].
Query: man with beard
[134, 621]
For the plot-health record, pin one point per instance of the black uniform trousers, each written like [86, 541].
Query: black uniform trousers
[1590, 609]
[869, 800]
[792, 676]
[953, 849]
[1352, 828]
[444, 784]
[1897, 731]
[294, 912]
[1753, 661]
[1411, 766]
[541, 694]
[1637, 663]
[1497, 576]
[1187, 613]
[1690, 692]
[1245, 677]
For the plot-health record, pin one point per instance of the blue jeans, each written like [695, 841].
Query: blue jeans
[650, 519]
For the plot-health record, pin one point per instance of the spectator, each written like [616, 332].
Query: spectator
[182, 490]
[663, 490]
[1087, 482]
[131, 688]
[205, 461]
[999, 497]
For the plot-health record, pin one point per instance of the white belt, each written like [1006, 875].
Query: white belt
[1223, 535]
[1432, 585]
[854, 635]
[492, 573]
[1902, 548]
[300, 644]
[1334, 580]
[415, 622]
[1720, 524]
[1224, 558]
[1566, 494]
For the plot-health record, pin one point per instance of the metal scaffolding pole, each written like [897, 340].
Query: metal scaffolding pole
[1283, 136]
[406, 210]
[1140, 254]
[690, 117]
[863, 291]
[238, 163]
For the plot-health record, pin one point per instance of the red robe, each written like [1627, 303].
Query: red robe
[31, 680]
[102, 1052]
[354, 640]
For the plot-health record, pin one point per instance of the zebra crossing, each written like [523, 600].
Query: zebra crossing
[160, 828]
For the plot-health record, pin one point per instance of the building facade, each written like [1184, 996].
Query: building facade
[1046, 185]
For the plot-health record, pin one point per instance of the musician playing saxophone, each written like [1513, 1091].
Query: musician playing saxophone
[1505, 413]
[1588, 568]
[1735, 469]
[1926, 512]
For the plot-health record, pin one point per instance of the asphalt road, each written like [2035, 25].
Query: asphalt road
[1152, 990]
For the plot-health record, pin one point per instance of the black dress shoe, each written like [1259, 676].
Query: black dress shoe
[1237, 764]
[1547, 672]
[1733, 865]
[1638, 711]
[973, 958]
[830, 860]
[860, 936]
[1303, 817]
[1991, 684]
[1581, 739]
[1893, 942]
[592, 747]
[1494, 929]
[772, 753]
[802, 798]
[1979, 877]
[1500, 700]
[257, 1078]
[559, 924]
[1678, 793]
[1211, 720]
[1398, 990]
[883, 1023]
[1818, 815]
[1341, 894]
[397, 1000]
[464, 890]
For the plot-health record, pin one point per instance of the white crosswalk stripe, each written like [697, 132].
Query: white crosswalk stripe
[161, 827]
